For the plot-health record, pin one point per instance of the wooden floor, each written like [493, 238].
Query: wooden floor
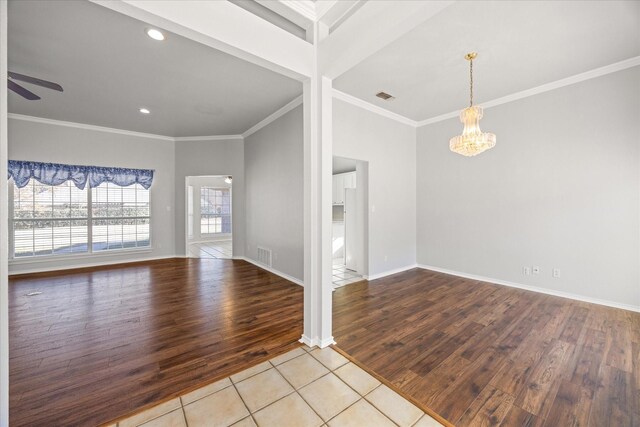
[482, 354]
[100, 343]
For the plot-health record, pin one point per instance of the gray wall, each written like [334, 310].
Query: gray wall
[59, 144]
[559, 190]
[212, 157]
[389, 148]
[274, 193]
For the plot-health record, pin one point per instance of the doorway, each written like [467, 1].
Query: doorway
[208, 221]
[349, 221]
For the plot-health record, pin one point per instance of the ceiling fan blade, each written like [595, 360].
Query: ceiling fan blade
[22, 91]
[35, 81]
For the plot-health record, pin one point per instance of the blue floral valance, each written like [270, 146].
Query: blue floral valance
[56, 174]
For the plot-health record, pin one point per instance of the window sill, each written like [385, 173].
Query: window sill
[85, 256]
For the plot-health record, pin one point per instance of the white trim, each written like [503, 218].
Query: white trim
[307, 341]
[121, 131]
[304, 8]
[373, 108]
[316, 342]
[88, 127]
[206, 138]
[534, 288]
[326, 342]
[108, 253]
[88, 265]
[4, 221]
[390, 272]
[324, 6]
[271, 270]
[273, 117]
[228, 238]
[592, 74]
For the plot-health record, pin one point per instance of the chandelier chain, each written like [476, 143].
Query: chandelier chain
[471, 83]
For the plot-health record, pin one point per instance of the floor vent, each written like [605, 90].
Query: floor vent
[264, 256]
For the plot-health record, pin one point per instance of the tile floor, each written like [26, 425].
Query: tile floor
[304, 387]
[342, 276]
[217, 249]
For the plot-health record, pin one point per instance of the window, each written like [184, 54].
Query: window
[49, 220]
[56, 220]
[215, 210]
[120, 217]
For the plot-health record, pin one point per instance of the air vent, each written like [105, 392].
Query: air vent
[385, 96]
[264, 256]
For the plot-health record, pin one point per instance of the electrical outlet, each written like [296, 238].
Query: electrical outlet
[556, 273]
[386, 258]
[526, 271]
[535, 269]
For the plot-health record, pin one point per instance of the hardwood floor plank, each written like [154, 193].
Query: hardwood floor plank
[540, 391]
[100, 343]
[571, 406]
[103, 342]
[468, 349]
[517, 417]
[489, 408]
[613, 401]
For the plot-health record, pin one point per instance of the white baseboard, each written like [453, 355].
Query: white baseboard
[316, 342]
[224, 239]
[390, 272]
[307, 341]
[271, 270]
[88, 264]
[534, 288]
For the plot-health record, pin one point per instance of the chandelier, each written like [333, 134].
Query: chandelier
[472, 141]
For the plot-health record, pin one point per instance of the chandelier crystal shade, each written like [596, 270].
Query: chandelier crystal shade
[472, 141]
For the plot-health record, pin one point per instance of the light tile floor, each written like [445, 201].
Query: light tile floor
[217, 249]
[342, 276]
[304, 387]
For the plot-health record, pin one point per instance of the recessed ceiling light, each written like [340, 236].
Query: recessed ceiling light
[145, 111]
[155, 34]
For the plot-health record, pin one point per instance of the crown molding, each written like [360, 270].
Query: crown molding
[305, 8]
[592, 74]
[273, 116]
[597, 72]
[207, 138]
[373, 108]
[87, 127]
[120, 131]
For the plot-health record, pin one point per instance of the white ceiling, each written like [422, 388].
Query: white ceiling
[520, 45]
[109, 68]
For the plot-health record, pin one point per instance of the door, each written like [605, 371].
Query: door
[350, 229]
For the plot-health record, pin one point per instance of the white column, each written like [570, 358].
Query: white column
[318, 137]
[4, 251]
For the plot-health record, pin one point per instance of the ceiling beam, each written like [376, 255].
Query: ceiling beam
[375, 25]
[228, 28]
[301, 14]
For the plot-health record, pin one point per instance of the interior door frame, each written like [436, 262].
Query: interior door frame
[197, 197]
